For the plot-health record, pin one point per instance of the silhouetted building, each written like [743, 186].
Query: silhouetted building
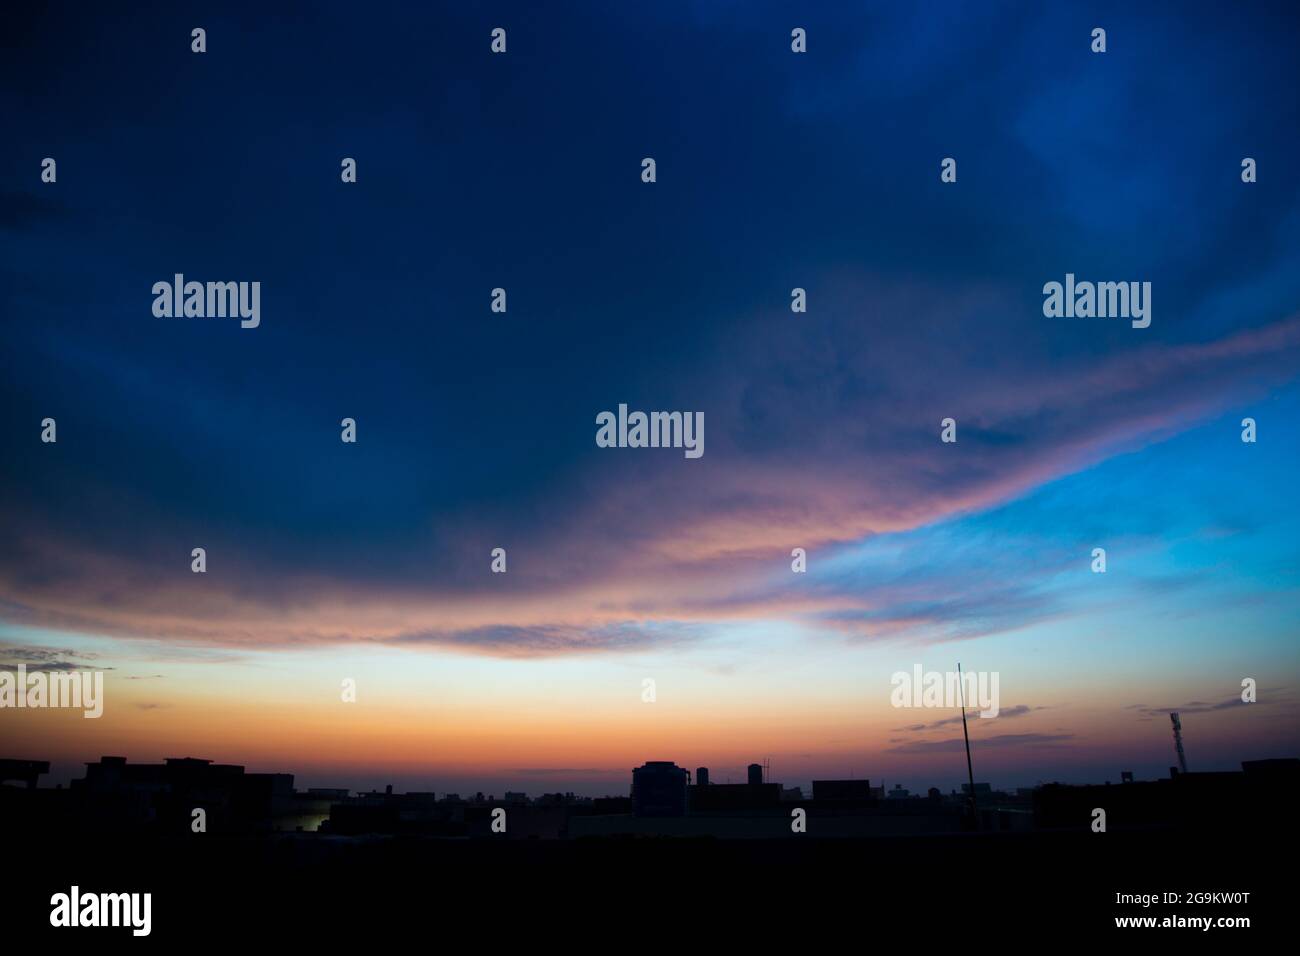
[755, 774]
[734, 796]
[165, 795]
[659, 789]
[405, 813]
[310, 809]
[23, 771]
[842, 791]
[701, 776]
[1262, 793]
[611, 805]
[565, 799]
[1281, 770]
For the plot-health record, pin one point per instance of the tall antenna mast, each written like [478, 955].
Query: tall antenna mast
[1178, 741]
[970, 773]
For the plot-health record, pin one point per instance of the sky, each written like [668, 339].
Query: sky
[370, 561]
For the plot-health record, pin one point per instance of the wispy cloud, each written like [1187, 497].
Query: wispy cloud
[1264, 698]
[47, 659]
[1017, 711]
[1001, 741]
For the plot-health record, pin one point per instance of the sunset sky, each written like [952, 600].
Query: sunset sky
[476, 430]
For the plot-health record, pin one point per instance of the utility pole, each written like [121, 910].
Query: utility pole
[1178, 741]
[970, 773]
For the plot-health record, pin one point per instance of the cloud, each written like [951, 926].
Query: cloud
[551, 640]
[1017, 711]
[652, 545]
[821, 431]
[1273, 696]
[1001, 741]
[47, 659]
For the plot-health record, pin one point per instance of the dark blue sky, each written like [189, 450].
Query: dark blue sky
[522, 171]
